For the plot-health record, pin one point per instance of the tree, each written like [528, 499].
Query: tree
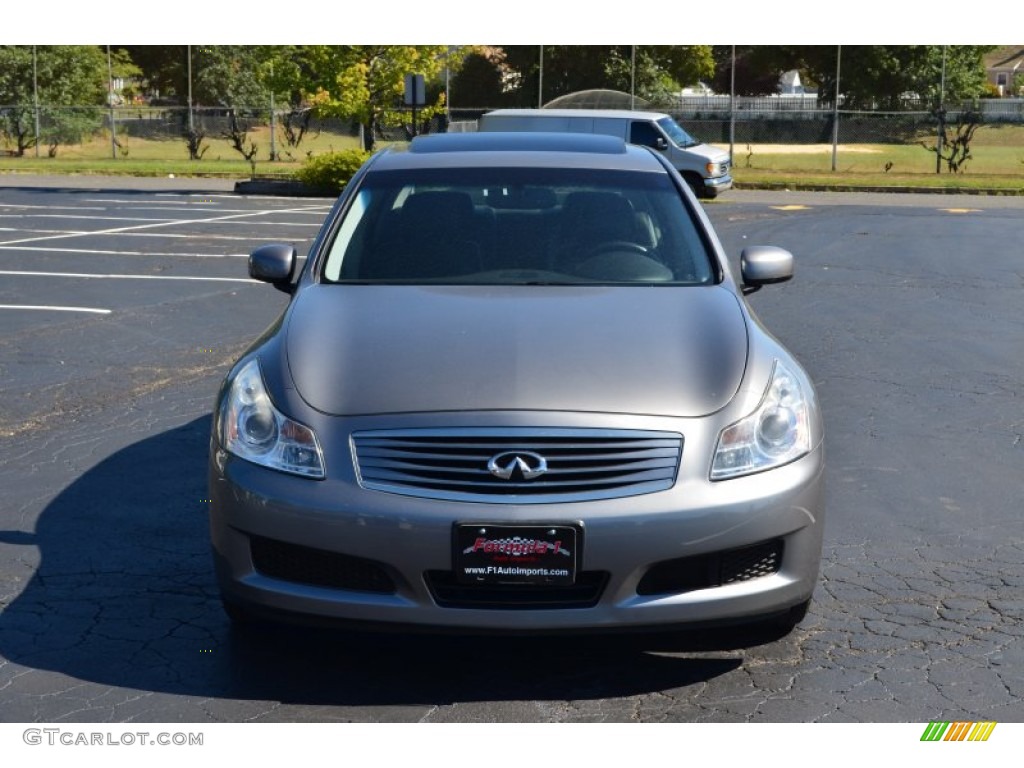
[72, 84]
[955, 146]
[164, 69]
[289, 74]
[660, 70]
[16, 115]
[758, 68]
[365, 83]
[232, 76]
[485, 79]
[871, 76]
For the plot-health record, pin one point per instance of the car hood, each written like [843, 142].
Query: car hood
[359, 349]
[708, 152]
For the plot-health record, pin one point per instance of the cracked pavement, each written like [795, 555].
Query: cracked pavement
[906, 315]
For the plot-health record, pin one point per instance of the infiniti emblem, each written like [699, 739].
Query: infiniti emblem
[529, 464]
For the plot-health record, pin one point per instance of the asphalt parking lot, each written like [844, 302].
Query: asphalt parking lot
[122, 305]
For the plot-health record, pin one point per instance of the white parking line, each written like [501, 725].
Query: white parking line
[87, 252]
[160, 223]
[22, 206]
[56, 309]
[152, 221]
[169, 205]
[89, 218]
[162, 235]
[87, 275]
[181, 201]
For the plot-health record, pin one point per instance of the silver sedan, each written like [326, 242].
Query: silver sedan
[517, 388]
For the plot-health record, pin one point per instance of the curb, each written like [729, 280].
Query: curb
[279, 188]
[780, 186]
[291, 188]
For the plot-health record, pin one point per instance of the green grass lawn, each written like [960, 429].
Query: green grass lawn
[159, 157]
[877, 158]
[997, 161]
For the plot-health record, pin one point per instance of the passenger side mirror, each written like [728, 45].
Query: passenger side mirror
[661, 143]
[764, 264]
[274, 264]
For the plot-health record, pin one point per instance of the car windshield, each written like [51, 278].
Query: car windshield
[675, 132]
[518, 226]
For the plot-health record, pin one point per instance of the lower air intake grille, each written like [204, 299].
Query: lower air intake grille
[517, 466]
[712, 570]
[448, 593]
[318, 567]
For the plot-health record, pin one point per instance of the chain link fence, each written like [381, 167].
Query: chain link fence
[155, 133]
[798, 133]
[769, 124]
[147, 132]
[801, 121]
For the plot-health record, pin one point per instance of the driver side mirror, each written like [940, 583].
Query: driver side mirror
[763, 265]
[274, 264]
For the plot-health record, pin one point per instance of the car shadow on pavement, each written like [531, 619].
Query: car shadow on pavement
[124, 596]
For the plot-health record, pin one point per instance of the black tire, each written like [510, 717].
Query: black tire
[788, 621]
[696, 183]
[240, 617]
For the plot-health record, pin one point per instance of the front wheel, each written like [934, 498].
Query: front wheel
[241, 618]
[696, 183]
[788, 621]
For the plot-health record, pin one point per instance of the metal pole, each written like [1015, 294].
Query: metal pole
[273, 127]
[632, 77]
[732, 111]
[35, 95]
[835, 110]
[448, 88]
[540, 80]
[110, 104]
[942, 114]
[191, 125]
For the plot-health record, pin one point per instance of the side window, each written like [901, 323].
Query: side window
[643, 133]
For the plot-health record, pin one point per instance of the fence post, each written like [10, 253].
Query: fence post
[35, 96]
[110, 105]
[942, 115]
[732, 111]
[835, 110]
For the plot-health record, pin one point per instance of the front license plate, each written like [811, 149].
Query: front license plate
[515, 554]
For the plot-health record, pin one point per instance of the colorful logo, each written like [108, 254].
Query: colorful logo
[516, 546]
[959, 731]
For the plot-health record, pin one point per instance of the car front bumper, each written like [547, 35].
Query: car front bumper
[718, 185]
[700, 552]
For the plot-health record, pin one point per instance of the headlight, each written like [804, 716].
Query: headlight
[253, 429]
[777, 433]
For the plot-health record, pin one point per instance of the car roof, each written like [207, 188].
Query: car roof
[525, 149]
[623, 114]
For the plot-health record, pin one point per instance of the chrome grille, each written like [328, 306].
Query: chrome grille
[580, 464]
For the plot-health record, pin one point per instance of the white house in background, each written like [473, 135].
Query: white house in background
[1004, 66]
[790, 84]
[697, 89]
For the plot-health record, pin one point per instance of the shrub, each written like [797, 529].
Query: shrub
[331, 172]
